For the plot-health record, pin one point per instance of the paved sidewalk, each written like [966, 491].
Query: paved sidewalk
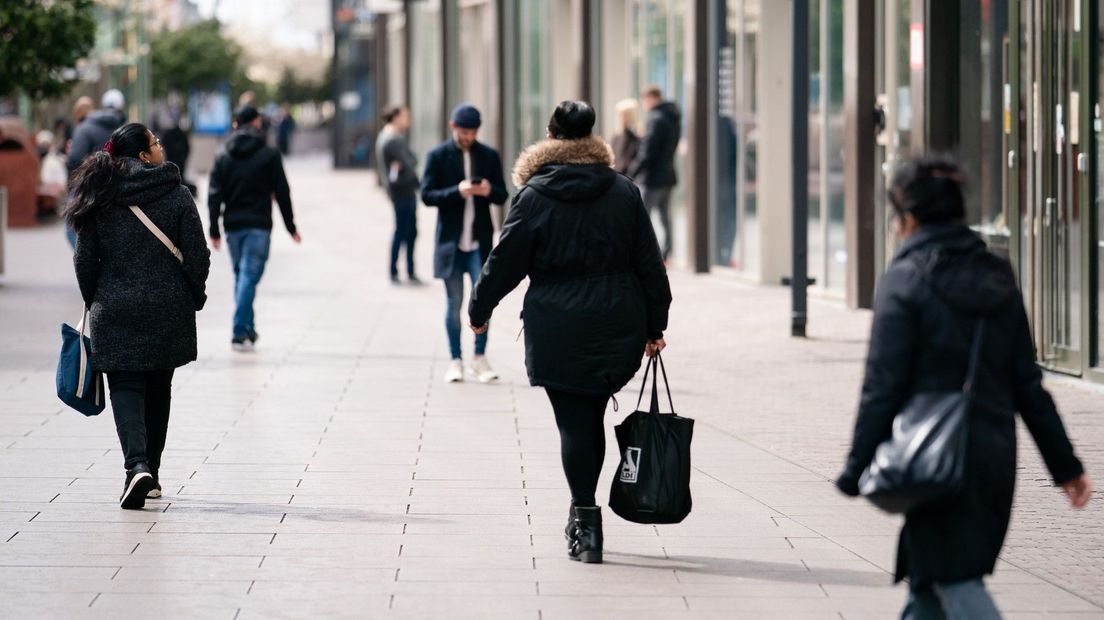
[333, 475]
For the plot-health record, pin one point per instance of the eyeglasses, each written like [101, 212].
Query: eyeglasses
[156, 142]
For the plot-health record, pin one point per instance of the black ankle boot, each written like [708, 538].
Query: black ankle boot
[569, 529]
[587, 546]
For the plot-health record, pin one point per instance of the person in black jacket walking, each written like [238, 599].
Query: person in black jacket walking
[463, 178]
[654, 166]
[598, 295]
[143, 300]
[397, 172]
[941, 284]
[246, 176]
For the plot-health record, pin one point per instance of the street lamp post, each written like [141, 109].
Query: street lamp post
[799, 168]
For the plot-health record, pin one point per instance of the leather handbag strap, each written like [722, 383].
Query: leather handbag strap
[975, 357]
[83, 354]
[157, 233]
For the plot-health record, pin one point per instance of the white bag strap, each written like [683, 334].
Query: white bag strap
[157, 233]
[83, 353]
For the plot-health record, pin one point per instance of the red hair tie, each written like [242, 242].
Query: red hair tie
[109, 147]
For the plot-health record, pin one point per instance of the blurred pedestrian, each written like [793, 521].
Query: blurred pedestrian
[96, 127]
[92, 131]
[654, 166]
[598, 294]
[398, 173]
[942, 286]
[178, 147]
[285, 127]
[463, 177]
[246, 176]
[626, 142]
[142, 299]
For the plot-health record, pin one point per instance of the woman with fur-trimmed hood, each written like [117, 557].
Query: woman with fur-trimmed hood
[598, 294]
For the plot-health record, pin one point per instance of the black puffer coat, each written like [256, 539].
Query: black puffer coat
[654, 165]
[598, 288]
[940, 283]
[143, 301]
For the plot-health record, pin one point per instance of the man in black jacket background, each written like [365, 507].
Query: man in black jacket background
[654, 166]
[246, 176]
[463, 177]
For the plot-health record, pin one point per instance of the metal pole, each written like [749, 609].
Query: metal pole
[799, 167]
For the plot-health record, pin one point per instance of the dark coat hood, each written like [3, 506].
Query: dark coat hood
[567, 170]
[960, 269]
[144, 183]
[245, 142]
[108, 119]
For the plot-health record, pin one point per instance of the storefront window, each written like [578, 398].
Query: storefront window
[736, 226]
[984, 29]
[426, 77]
[827, 242]
[479, 76]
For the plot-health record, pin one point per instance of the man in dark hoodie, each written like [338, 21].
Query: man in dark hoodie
[246, 176]
[92, 132]
[654, 166]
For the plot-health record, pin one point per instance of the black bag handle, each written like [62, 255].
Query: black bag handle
[975, 358]
[655, 366]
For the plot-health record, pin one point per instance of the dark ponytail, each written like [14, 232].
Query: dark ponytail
[96, 179]
[930, 188]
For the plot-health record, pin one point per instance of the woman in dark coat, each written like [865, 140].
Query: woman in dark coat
[142, 299]
[625, 143]
[941, 283]
[598, 294]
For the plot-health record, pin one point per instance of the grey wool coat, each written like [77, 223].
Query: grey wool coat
[143, 301]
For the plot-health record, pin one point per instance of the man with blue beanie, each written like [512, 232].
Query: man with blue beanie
[463, 177]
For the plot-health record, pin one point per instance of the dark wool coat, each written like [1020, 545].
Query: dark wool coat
[143, 301]
[597, 285]
[654, 165]
[941, 282]
[444, 170]
[625, 147]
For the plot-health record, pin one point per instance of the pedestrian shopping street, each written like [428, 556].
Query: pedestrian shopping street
[332, 474]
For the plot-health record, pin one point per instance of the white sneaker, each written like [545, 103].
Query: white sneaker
[455, 372]
[482, 370]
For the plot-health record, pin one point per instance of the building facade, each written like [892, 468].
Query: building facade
[1011, 88]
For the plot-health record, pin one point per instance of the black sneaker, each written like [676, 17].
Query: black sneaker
[155, 492]
[138, 483]
[395, 281]
[253, 337]
[414, 281]
[241, 345]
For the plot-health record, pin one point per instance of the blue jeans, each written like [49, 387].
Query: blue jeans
[961, 600]
[472, 264]
[406, 230]
[248, 253]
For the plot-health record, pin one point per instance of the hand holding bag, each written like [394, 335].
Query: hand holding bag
[78, 385]
[652, 484]
[925, 458]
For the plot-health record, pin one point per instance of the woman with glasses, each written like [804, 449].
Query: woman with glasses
[142, 295]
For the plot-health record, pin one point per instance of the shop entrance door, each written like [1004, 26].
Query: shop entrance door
[1047, 167]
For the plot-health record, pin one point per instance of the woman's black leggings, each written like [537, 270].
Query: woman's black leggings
[140, 401]
[582, 441]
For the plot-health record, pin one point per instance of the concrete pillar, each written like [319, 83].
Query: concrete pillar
[774, 83]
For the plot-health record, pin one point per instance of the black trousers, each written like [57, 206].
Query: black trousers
[140, 402]
[582, 441]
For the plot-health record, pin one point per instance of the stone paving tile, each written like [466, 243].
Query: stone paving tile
[332, 474]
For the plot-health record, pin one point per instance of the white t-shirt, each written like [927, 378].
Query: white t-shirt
[467, 240]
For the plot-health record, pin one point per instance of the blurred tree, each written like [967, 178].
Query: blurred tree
[198, 56]
[291, 89]
[40, 44]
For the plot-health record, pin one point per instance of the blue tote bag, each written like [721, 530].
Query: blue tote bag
[78, 385]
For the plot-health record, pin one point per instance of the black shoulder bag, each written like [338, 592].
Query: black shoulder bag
[924, 460]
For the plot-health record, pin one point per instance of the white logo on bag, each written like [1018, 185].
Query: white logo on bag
[630, 469]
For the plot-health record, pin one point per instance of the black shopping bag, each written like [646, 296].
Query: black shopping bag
[652, 485]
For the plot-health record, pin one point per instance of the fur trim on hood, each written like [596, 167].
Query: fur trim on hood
[590, 150]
